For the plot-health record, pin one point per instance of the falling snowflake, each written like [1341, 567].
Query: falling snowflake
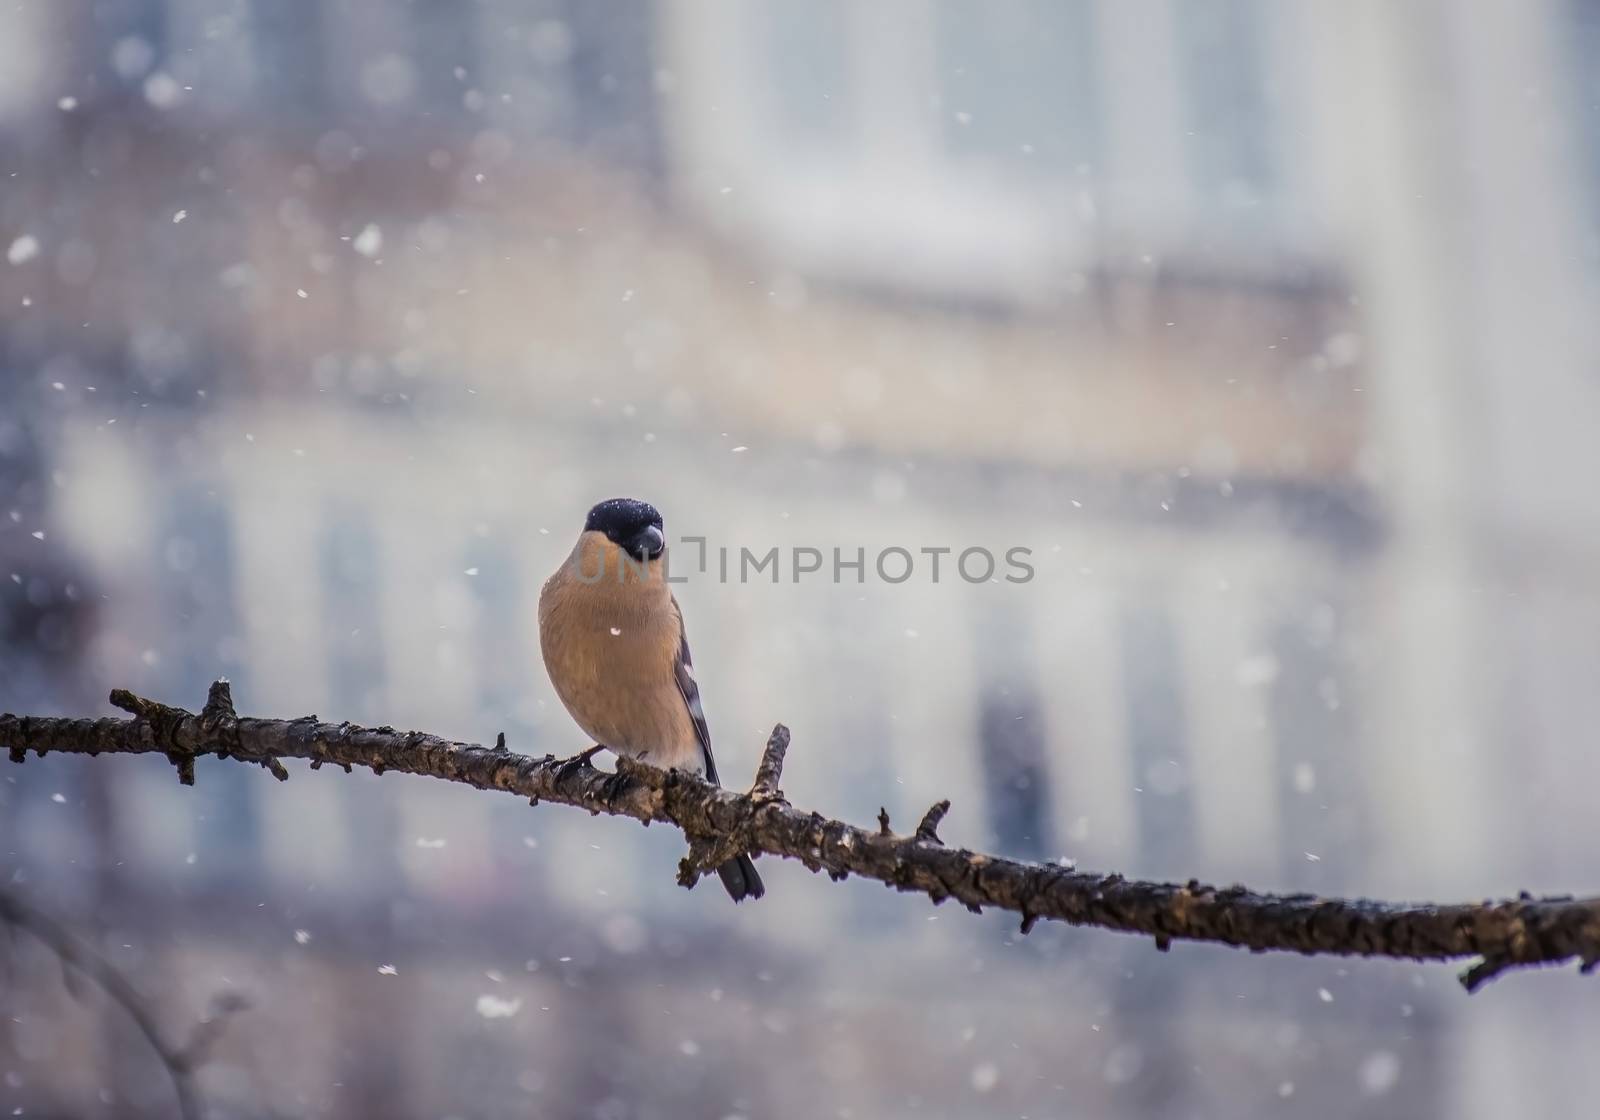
[494, 1007]
[369, 242]
[23, 249]
[1379, 1072]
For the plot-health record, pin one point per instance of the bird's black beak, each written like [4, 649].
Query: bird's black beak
[650, 543]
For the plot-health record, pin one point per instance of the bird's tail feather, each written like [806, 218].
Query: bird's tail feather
[739, 876]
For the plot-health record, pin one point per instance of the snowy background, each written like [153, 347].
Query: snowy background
[1267, 325]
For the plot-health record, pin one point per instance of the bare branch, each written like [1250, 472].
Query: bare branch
[1516, 933]
[928, 829]
[770, 771]
[78, 959]
[224, 1005]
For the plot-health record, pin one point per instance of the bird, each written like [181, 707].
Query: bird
[612, 637]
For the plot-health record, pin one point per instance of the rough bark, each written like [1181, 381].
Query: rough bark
[1509, 934]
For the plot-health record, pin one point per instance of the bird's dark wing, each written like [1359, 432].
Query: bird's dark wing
[738, 875]
[683, 669]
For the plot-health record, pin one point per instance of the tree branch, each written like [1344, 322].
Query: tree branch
[78, 958]
[1511, 934]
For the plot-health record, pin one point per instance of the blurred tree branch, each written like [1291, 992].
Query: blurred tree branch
[1517, 933]
[78, 959]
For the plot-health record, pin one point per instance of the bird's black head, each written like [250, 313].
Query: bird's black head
[631, 525]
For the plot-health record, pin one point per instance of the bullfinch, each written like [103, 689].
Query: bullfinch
[613, 643]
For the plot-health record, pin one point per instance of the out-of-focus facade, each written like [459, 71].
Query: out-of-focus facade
[1266, 327]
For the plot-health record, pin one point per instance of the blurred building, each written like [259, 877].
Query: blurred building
[1266, 327]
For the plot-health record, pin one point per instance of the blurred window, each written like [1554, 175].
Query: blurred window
[988, 151]
[22, 63]
[1227, 116]
[1157, 733]
[348, 569]
[807, 47]
[858, 708]
[526, 60]
[348, 572]
[199, 574]
[1012, 734]
[131, 37]
[1585, 54]
[287, 36]
[1322, 833]
[1011, 731]
[501, 638]
[1019, 85]
[444, 50]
